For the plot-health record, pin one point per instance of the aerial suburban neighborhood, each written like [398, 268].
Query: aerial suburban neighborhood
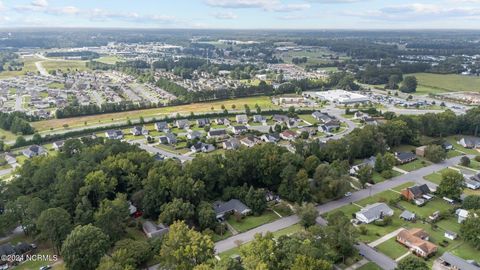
[239, 135]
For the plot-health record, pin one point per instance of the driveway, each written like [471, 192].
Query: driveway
[155, 150]
[415, 176]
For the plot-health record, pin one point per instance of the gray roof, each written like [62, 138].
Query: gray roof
[373, 210]
[407, 215]
[458, 262]
[233, 205]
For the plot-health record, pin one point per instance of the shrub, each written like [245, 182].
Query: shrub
[465, 161]
[477, 158]
[387, 174]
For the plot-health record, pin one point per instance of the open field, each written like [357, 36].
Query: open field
[414, 165]
[29, 66]
[110, 59]
[64, 65]
[263, 101]
[6, 135]
[438, 83]
[251, 222]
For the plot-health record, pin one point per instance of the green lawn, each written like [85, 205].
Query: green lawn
[414, 165]
[56, 85]
[6, 135]
[384, 196]
[370, 266]
[287, 231]
[377, 177]
[218, 237]
[110, 59]
[401, 187]
[65, 65]
[454, 139]
[436, 177]
[309, 118]
[251, 222]
[392, 248]
[438, 83]
[453, 153]
[428, 209]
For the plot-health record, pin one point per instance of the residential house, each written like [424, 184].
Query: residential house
[470, 142]
[193, 134]
[329, 126]
[462, 214]
[280, 118]
[10, 158]
[288, 135]
[114, 134]
[33, 151]
[137, 131]
[407, 215]
[182, 124]
[293, 123]
[249, 141]
[450, 235]
[239, 129]
[416, 240]
[373, 212]
[241, 119]
[202, 147]
[448, 261]
[232, 206]
[217, 134]
[58, 145]
[222, 121]
[271, 138]
[259, 118]
[231, 144]
[168, 138]
[405, 157]
[420, 151]
[203, 122]
[322, 117]
[153, 230]
[417, 194]
[310, 130]
[366, 162]
[162, 126]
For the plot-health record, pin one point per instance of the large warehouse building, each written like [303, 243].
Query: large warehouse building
[341, 97]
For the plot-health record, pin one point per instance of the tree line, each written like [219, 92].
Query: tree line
[17, 123]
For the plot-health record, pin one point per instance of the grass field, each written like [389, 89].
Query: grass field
[6, 135]
[414, 165]
[65, 65]
[110, 59]
[251, 222]
[392, 248]
[370, 266]
[29, 66]
[440, 83]
[57, 124]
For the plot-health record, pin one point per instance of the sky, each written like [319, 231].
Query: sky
[243, 14]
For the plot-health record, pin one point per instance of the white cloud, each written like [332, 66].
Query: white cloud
[225, 15]
[267, 5]
[39, 3]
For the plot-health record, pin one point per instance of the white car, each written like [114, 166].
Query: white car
[348, 194]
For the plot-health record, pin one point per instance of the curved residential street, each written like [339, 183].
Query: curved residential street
[365, 250]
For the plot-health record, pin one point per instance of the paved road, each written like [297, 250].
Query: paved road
[6, 171]
[155, 150]
[379, 258]
[415, 176]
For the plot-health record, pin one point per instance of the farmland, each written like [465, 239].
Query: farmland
[440, 83]
[110, 118]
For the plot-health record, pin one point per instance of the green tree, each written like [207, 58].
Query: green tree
[470, 229]
[471, 202]
[111, 217]
[451, 185]
[206, 216]
[340, 235]
[260, 253]
[178, 209]
[184, 248]
[303, 262]
[54, 224]
[412, 263]
[388, 161]
[84, 247]
[364, 175]
[308, 214]
[255, 199]
[435, 153]
[310, 164]
[409, 84]
[379, 166]
[465, 161]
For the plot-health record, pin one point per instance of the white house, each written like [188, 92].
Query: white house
[373, 212]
